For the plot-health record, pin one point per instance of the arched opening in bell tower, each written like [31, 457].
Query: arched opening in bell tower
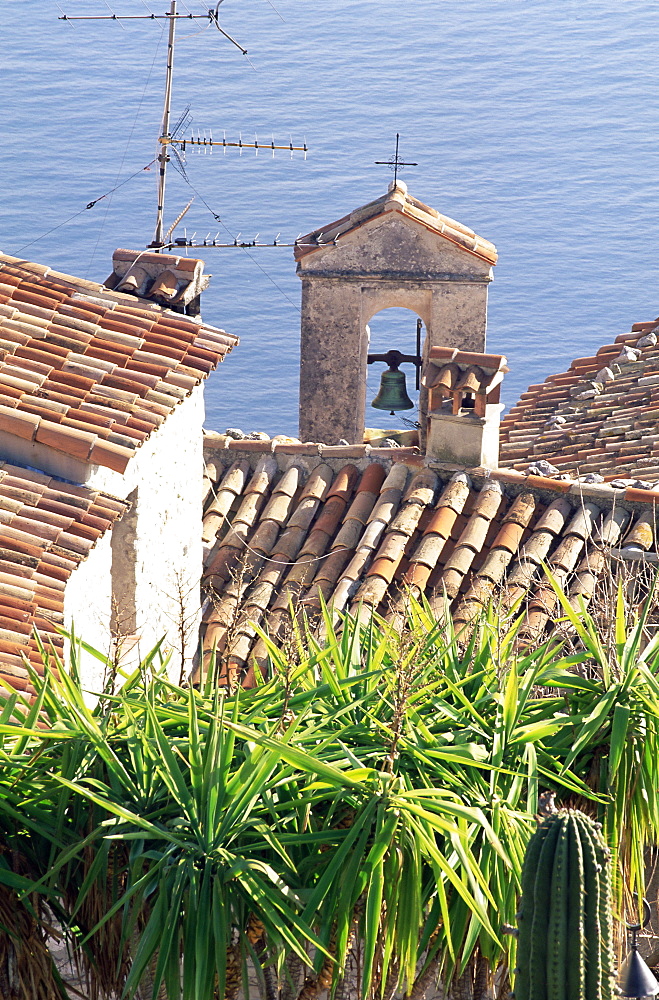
[399, 329]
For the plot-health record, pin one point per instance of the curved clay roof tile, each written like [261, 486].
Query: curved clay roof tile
[474, 379]
[447, 378]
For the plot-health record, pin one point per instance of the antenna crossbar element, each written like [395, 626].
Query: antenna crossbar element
[210, 16]
[214, 243]
[133, 17]
[224, 143]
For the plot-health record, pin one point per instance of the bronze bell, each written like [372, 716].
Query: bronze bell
[393, 392]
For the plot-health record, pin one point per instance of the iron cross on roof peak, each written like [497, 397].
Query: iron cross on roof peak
[395, 162]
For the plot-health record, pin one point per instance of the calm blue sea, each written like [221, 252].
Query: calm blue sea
[535, 123]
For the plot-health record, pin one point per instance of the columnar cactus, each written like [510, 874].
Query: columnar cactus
[564, 946]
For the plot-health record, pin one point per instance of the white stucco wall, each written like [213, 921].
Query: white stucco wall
[157, 545]
[164, 480]
[87, 608]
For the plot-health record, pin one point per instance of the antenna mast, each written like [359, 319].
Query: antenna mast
[164, 137]
[171, 138]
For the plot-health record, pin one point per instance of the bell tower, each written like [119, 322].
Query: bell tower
[395, 251]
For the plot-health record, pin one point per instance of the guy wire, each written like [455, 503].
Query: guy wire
[89, 205]
[125, 153]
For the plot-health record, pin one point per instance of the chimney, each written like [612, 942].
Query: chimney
[173, 282]
[463, 406]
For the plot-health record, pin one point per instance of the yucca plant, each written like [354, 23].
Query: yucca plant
[616, 746]
[375, 795]
[174, 811]
[468, 725]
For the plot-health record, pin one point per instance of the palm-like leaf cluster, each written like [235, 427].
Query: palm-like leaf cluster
[373, 797]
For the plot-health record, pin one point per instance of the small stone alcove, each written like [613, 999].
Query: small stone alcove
[393, 252]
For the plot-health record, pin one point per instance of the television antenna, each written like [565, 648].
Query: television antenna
[170, 140]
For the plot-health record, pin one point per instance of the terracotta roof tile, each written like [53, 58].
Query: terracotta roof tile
[70, 440]
[69, 342]
[23, 425]
[368, 538]
[606, 430]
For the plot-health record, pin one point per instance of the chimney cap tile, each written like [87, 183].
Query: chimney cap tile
[491, 362]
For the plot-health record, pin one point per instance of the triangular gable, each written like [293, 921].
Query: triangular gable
[397, 200]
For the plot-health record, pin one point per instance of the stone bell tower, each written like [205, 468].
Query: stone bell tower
[395, 251]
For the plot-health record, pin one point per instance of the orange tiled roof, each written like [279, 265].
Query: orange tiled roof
[598, 417]
[398, 200]
[47, 528]
[366, 535]
[92, 372]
